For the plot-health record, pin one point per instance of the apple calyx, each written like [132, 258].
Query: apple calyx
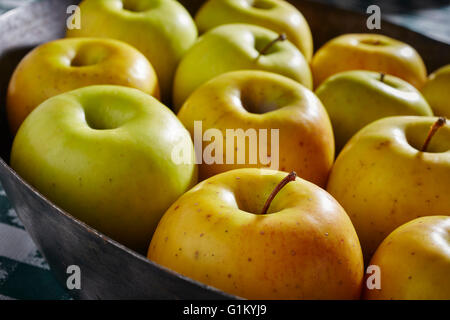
[290, 177]
[281, 37]
[440, 122]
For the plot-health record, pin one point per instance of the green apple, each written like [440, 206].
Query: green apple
[414, 261]
[161, 29]
[373, 52]
[356, 98]
[64, 65]
[437, 92]
[390, 172]
[235, 47]
[103, 154]
[297, 244]
[253, 101]
[279, 16]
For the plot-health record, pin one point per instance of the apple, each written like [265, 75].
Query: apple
[297, 244]
[414, 261]
[374, 52]
[103, 154]
[162, 30]
[356, 98]
[234, 47]
[260, 100]
[437, 93]
[64, 65]
[392, 171]
[279, 16]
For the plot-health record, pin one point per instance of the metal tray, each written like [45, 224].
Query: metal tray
[108, 269]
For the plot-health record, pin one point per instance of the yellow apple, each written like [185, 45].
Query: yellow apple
[235, 47]
[414, 261]
[279, 16]
[373, 52]
[356, 98]
[63, 65]
[162, 30]
[257, 100]
[221, 233]
[383, 179]
[437, 91]
[103, 154]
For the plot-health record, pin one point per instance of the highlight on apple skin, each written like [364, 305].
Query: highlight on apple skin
[355, 98]
[102, 153]
[279, 16]
[383, 179]
[372, 52]
[252, 101]
[162, 30]
[67, 64]
[304, 247]
[414, 261]
[242, 45]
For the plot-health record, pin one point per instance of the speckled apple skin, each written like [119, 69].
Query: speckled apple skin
[305, 247]
[436, 91]
[383, 180]
[280, 16]
[104, 155]
[414, 261]
[163, 30]
[355, 98]
[350, 52]
[235, 47]
[263, 100]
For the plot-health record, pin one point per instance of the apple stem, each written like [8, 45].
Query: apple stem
[382, 76]
[281, 37]
[290, 177]
[438, 124]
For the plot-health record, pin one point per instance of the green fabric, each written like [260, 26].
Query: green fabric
[24, 281]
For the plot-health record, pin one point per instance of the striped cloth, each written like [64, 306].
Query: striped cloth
[24, 274]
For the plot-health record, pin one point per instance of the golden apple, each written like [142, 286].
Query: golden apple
[235, 47]
[437, 91]
[162, 30]
[383, 179]
[252, 101]
[373, 52]
[221, 233]
[356, 98]
[103, 154]
[63, 65]
[414, 261]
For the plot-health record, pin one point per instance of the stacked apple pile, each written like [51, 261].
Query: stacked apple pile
[92, 135]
